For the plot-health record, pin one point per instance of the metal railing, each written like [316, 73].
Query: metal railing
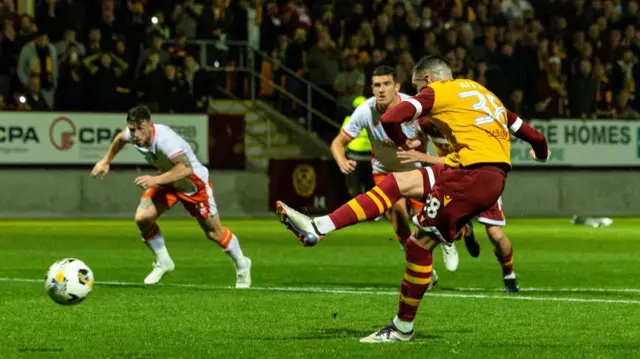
[215, 56]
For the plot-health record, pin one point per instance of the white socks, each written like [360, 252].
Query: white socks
[157, 246]
[401, 325]
[512, 275]
[230, 244]
[235, 252]
[324, 224]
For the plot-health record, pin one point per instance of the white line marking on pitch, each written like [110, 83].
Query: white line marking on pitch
[374, 291]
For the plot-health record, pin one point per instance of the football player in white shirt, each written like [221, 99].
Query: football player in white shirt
[182, 178]
[384, 158]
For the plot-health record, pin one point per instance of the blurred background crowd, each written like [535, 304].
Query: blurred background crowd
[543, 58]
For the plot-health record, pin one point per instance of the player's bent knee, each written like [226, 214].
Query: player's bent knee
[145, 217]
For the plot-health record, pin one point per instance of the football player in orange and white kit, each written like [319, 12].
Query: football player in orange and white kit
[182, 178]
[477, 125]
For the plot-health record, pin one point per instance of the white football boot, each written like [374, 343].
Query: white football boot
[300, 224]
[158, 271]
[243, 275]
[450, 256]
[389, 334]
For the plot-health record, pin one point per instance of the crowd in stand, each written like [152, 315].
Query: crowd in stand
[105, 55]
[543, 58]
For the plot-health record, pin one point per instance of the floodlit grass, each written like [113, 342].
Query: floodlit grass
[580, 298]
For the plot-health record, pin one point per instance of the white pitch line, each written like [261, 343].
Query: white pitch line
[365, 292]
[568, 290]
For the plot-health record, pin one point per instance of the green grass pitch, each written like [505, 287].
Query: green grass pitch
[580, 298]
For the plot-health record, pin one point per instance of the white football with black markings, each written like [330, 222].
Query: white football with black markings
[69, 281]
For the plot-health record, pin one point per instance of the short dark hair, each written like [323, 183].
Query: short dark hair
[429, 62]
[138, 115]
[384, 71]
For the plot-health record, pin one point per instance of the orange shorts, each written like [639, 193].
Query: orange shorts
[415, 204]
[199, 204]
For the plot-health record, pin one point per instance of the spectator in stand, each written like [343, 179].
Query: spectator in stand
[270, 25]
[354, 48]
[155, 50]
[625, 73]
[69, 39]
[178, 50]
[349, 84]
[516, 104]
[623, 110]
[122, 51]
[8, 13]
[69, 15]
[605, 107]
[200, 84]
[366, 39]
[185, 16]
[582, 91]
[34, 96]
[381, 30]
[149, 85]
[105, 70]
[28, 30]
[109, 26]
[295, 16]
[70, 95]
[136, 23]
[38, 57]
[95, 39]
[9, 49]
[213, 24]
[295, 58]
[158, 26]
[323, 65]
[279, 57]
[552, 91]
[174, 91]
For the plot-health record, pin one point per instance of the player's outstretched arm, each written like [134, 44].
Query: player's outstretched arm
[181, 169]
[102, 167]
[338, 146]
[523, 131]
[407, 111]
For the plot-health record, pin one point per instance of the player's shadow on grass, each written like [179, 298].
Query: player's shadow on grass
[339, 333]
[540, 292]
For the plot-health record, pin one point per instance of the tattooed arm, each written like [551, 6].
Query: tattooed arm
[181, 169]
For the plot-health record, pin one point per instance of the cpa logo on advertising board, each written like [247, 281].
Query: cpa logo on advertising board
[61, 133]
[304, 180]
